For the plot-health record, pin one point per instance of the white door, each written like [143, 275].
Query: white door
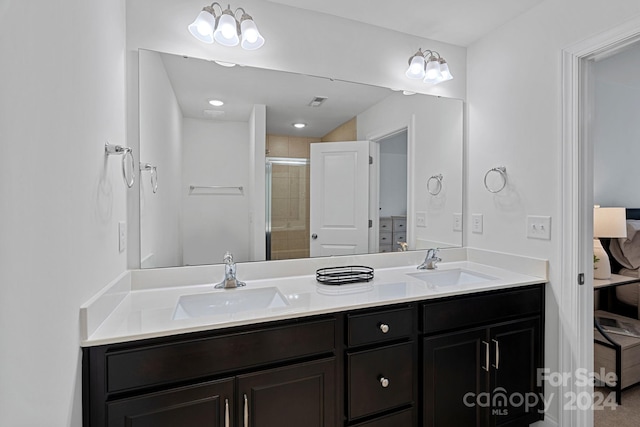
[339, 198]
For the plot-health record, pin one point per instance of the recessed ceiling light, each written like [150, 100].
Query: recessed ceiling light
[216, 103]
[299, 125]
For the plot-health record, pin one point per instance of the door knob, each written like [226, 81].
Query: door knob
[314, 236]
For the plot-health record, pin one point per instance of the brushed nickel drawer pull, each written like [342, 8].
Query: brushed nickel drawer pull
[486, 356]
[226, 413]
[497, 346]
[384, 382]
[384, 328]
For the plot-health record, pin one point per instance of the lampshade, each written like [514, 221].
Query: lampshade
[251, 37]
[444, 69]
[226, 32]
[609, 222]
[433, 75]
[416, 67]
[202, 27]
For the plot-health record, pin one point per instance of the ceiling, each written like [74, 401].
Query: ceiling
[459, 22]
[286, 95]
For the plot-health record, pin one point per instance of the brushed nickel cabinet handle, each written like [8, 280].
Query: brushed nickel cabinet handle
[497, 346]
[384, 328]
[246, 411]
[486, 356]
[226, 413]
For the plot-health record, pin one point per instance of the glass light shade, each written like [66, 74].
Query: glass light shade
[433, 74]
[251, 37]
[609, 222]
[416, 68]
[444, 69]
[227, 31]
[202, 27]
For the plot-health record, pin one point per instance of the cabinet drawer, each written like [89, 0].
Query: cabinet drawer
[399, 236]
[399, 224]
[386, 238]
[386, 224]
[189, 359]
[382, 325]
[400, 419]
[477, 309]
[367, 371]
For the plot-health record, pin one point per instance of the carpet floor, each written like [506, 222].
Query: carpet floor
[625, 415]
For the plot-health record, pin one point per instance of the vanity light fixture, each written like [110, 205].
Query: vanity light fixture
[225, 28]
[428, 66]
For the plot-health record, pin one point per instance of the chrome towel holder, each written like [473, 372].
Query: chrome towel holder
[502, 173]
[437, 186]
[154, 174]
[126, 153]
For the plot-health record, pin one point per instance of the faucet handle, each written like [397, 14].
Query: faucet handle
[228, 258]
[431, 253]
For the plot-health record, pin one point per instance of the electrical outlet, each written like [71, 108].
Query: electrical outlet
[539, 227]
[421, 219]
[122, 236]
[457, 222]
[476, 223]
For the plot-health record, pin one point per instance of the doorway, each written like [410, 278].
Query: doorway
[576, 267]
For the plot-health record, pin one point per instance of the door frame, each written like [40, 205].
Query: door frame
[374, 189]
[575, 302]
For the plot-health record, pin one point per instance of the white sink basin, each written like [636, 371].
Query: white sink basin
[451, 277]
[228, 301]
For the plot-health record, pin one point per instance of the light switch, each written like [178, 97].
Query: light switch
[457, 222]
[476, 223]
[421, 219]
[539, 227]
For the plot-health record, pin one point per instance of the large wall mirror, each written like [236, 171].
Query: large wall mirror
[373, 170]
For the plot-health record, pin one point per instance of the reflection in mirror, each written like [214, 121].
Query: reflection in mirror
[240, 177]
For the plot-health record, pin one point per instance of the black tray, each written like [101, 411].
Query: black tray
[344, 275]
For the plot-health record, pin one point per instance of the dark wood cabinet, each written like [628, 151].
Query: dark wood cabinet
[209, 404]
[453, 361]
[298, 395]
[485, 375]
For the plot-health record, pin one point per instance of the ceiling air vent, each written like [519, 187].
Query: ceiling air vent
[317, 101]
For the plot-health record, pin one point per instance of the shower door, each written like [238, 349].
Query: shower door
[287, 210]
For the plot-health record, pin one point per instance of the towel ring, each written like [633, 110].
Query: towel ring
[154, 175]
[438, 184]
[502, 171]
[127, 153]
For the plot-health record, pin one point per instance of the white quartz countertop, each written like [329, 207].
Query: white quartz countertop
[150, 313]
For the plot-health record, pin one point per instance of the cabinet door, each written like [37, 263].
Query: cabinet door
[455, 374]
[516, 357]
[297, 395]
[202, 405]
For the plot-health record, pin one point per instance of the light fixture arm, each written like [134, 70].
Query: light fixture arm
[211, 9]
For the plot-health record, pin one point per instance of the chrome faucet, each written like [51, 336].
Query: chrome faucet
[430, 260]
[230, 281]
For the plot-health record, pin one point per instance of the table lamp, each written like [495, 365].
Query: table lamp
[607, 222]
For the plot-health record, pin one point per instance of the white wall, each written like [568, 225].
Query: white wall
[160, 145]
[438, 134]
[616, 130]
[215, 154]
[298, 41]
[514, 120]
[63, 97]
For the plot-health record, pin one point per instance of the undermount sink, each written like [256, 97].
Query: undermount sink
[228, 301]
[456, 276]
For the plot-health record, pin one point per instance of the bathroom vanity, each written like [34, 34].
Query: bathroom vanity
[390, 354]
